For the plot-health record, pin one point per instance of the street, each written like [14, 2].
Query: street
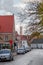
[34, 57]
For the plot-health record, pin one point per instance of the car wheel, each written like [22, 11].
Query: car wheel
[24, 53]
[12, 59]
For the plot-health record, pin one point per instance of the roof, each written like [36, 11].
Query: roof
[38, 40]
[6, 23]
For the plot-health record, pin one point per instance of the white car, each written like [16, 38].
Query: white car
[26, 46]
[21, 50]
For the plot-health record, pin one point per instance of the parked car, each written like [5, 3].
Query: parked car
[20, 50]
[6, 54]
[26, 46]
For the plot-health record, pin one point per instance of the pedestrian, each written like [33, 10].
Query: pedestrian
[15, 46]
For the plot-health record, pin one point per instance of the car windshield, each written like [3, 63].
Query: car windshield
[21, 48]
[4, 51]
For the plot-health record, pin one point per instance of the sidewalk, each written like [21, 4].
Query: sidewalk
[14, 53]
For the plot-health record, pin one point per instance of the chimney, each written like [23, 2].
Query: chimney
[20, 30]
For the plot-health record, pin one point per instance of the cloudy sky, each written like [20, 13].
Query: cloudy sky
[6, 4]
[18, 3]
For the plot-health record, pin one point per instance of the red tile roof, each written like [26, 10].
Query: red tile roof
[6, 24]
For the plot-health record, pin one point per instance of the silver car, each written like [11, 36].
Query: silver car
[21, 50]
[27, 48]
[6, 54]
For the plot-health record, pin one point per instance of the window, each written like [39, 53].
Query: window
[6, 38]
[1, 38]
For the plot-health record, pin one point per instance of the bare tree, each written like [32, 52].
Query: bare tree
[29, 13]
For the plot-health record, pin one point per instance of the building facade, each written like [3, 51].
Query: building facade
[6, 29]
[37, 43]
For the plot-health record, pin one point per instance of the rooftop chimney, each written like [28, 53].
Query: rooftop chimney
[20, 30]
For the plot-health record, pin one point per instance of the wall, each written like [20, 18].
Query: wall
[5, 38]
[37, 45]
